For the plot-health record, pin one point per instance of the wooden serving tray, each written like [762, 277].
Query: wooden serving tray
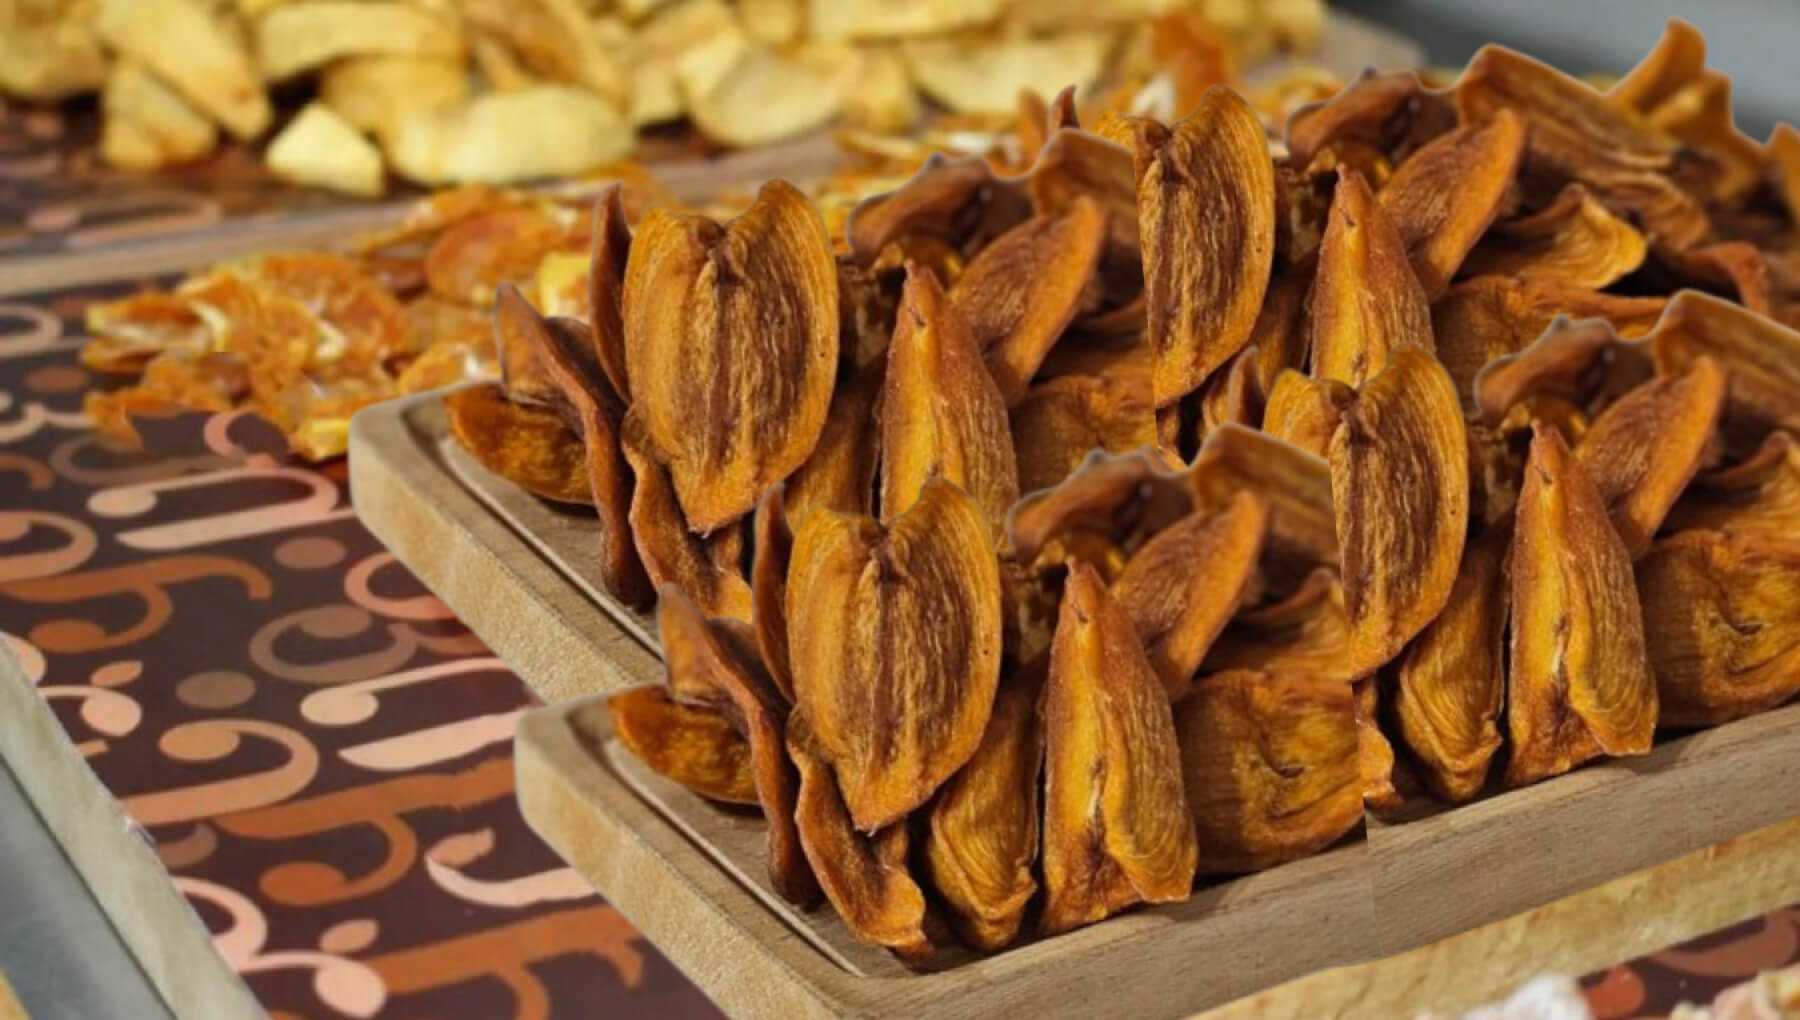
[516, 571]
[690, 876]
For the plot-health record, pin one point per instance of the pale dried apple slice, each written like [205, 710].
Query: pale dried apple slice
[770, 94]
[983, 72]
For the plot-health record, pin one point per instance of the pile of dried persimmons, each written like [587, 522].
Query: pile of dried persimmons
[1060, 537]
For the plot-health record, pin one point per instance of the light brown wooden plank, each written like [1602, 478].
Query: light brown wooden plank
[1481, 862]
[1628, 917]
[1224, 942]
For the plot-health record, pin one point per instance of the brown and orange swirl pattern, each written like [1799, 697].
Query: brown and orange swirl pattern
[320, 751]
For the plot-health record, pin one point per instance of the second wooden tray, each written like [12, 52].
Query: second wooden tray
[517, 572]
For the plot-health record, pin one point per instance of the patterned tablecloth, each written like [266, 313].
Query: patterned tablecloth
[321, 753]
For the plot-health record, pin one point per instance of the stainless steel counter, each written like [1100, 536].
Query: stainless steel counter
[57, 949]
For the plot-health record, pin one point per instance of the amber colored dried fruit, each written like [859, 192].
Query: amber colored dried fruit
[1576, 364]
[1366, 300]
[693, 745]
[1490, 317]
[731, 347]
[528, 446]
[1784, 154]
[1271, 766]
[1722, 620]
[894, 640]
[840, 474]
[941, 414]
[1304, 631]
[431, 322]
[866, 307]
[1730, 267]
[1294, 484]
[864, 876]
[519, 342]
[477, 254]
[1760, 494]
[1170, 433]
[1452, 678]
[1076, 164]
[1061, 421]
[1233, 396]
[1304, 411]
[1676, 92]
[1033, 118]
[1206, 217]
[1116, 829]
[771, 550]
[1643, 451]
[1119, 498]
[864, 315]
[958, 201]
[567, 360]
[1400, 489]
[1022, 290]
[1302, 204]
[1679, 56]
[983, 834]
[714, 663]
[1761, 356]
[1392, 111]
[1580, 683]
[1192, 50]
[706, 567]
[1573, 133]
[127, 332]
[1443, 198]
[1181, 588]
[1374, 752]
[1574, 241]
[1282, 330]
[607, 259]
[364, 314]
[1029, 598]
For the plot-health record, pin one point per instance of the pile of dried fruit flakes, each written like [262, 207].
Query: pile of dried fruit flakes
[498, 91]
[1442, 446]
[305, 339]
